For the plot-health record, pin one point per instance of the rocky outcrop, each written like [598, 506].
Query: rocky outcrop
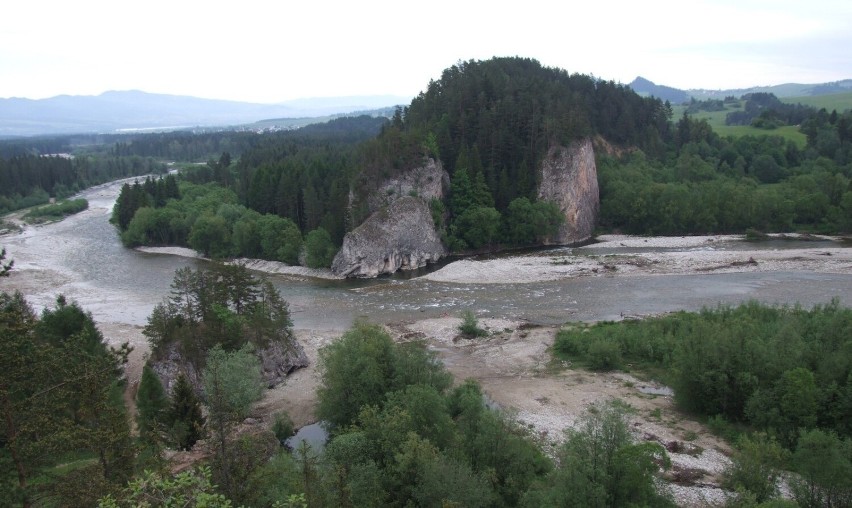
[427, 181]
[400, 236]
[277, 360]
[569, 178]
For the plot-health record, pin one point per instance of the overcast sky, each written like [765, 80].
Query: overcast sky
[271, 51]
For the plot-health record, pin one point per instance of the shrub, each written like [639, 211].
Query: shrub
[604, 355]
[469, 326]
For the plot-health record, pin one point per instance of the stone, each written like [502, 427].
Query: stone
[569, 178]
[277, 360]
[428, 181]
[400, 236]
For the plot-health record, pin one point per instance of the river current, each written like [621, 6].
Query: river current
[83, 258]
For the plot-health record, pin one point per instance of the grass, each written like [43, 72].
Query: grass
[716, 119]
[839, 101]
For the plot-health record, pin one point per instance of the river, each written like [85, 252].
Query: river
[83, 258]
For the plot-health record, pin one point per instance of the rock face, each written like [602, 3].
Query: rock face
[401, 236]
[277, 360]
[427, 181]
[569, 178]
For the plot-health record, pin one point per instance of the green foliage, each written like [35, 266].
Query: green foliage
[60, 396]
[184, 415]
[469, 326]
[755, 468]
[5, 268]
[283, 427]
[188, 488]
[226, 305]
[319, 249]
[58, 210]
[528, 223]
[232, 382]
[152, 405]
[601, 467]
[364, 365]
[778, 369]
[824, 463]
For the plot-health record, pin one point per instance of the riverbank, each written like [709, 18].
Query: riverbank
[626, 257]
[515, 369]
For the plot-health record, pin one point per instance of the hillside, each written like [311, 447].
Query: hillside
[786, 91]
[134, 110]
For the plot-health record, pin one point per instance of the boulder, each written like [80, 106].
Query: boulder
[427, 181]
[277, 360]
[400, 236]
[569, 178]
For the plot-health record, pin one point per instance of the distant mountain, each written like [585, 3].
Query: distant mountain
[112, 111]
[780, 91]
[646, 88]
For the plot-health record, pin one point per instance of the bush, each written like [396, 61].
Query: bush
[283, 427]
[469, 326]
[604, 355]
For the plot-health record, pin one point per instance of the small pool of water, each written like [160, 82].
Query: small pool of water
[314, 435]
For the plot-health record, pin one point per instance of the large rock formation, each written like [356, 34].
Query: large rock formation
[427, 181]
[569, 178]
[400, 236]
[277, 360]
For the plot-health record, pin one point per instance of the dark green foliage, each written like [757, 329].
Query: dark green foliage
[778, 369]
[152, 405]
[469, 326]
[5, 268]
[364, 365]
[227, 305]
[824, 463]
[601, 467]
[283, 427]
[184, 416]
[755, 468]
[58, 210]
[319, 249]
[60, 396]
[528, 223]
[409, 442]
[28, 180]
[232, 383]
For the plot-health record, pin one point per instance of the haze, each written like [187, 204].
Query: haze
[269, 52]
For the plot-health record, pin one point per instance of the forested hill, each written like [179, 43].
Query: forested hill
[501, 115]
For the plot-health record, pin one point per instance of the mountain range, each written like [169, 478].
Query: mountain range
[129, 110]
[645, 87]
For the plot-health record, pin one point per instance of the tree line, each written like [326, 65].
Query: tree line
[29, 180]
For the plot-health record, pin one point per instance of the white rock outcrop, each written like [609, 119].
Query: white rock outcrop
[569, 178]
[400, 236]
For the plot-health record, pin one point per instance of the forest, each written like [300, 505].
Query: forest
[490, 123]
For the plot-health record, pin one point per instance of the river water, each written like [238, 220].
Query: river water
[83, 258]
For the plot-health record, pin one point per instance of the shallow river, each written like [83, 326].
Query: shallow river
[83, 258]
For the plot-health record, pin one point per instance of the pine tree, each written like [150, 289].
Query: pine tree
[187, 423]
[153, 405]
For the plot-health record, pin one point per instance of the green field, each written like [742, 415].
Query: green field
[836, 101]
[716, 119]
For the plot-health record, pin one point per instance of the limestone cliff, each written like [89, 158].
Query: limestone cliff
[569, 178]
[277, 360]
[400, 236]
[427, 181]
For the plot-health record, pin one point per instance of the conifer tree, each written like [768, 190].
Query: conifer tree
[187, 423]
[153, 405]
